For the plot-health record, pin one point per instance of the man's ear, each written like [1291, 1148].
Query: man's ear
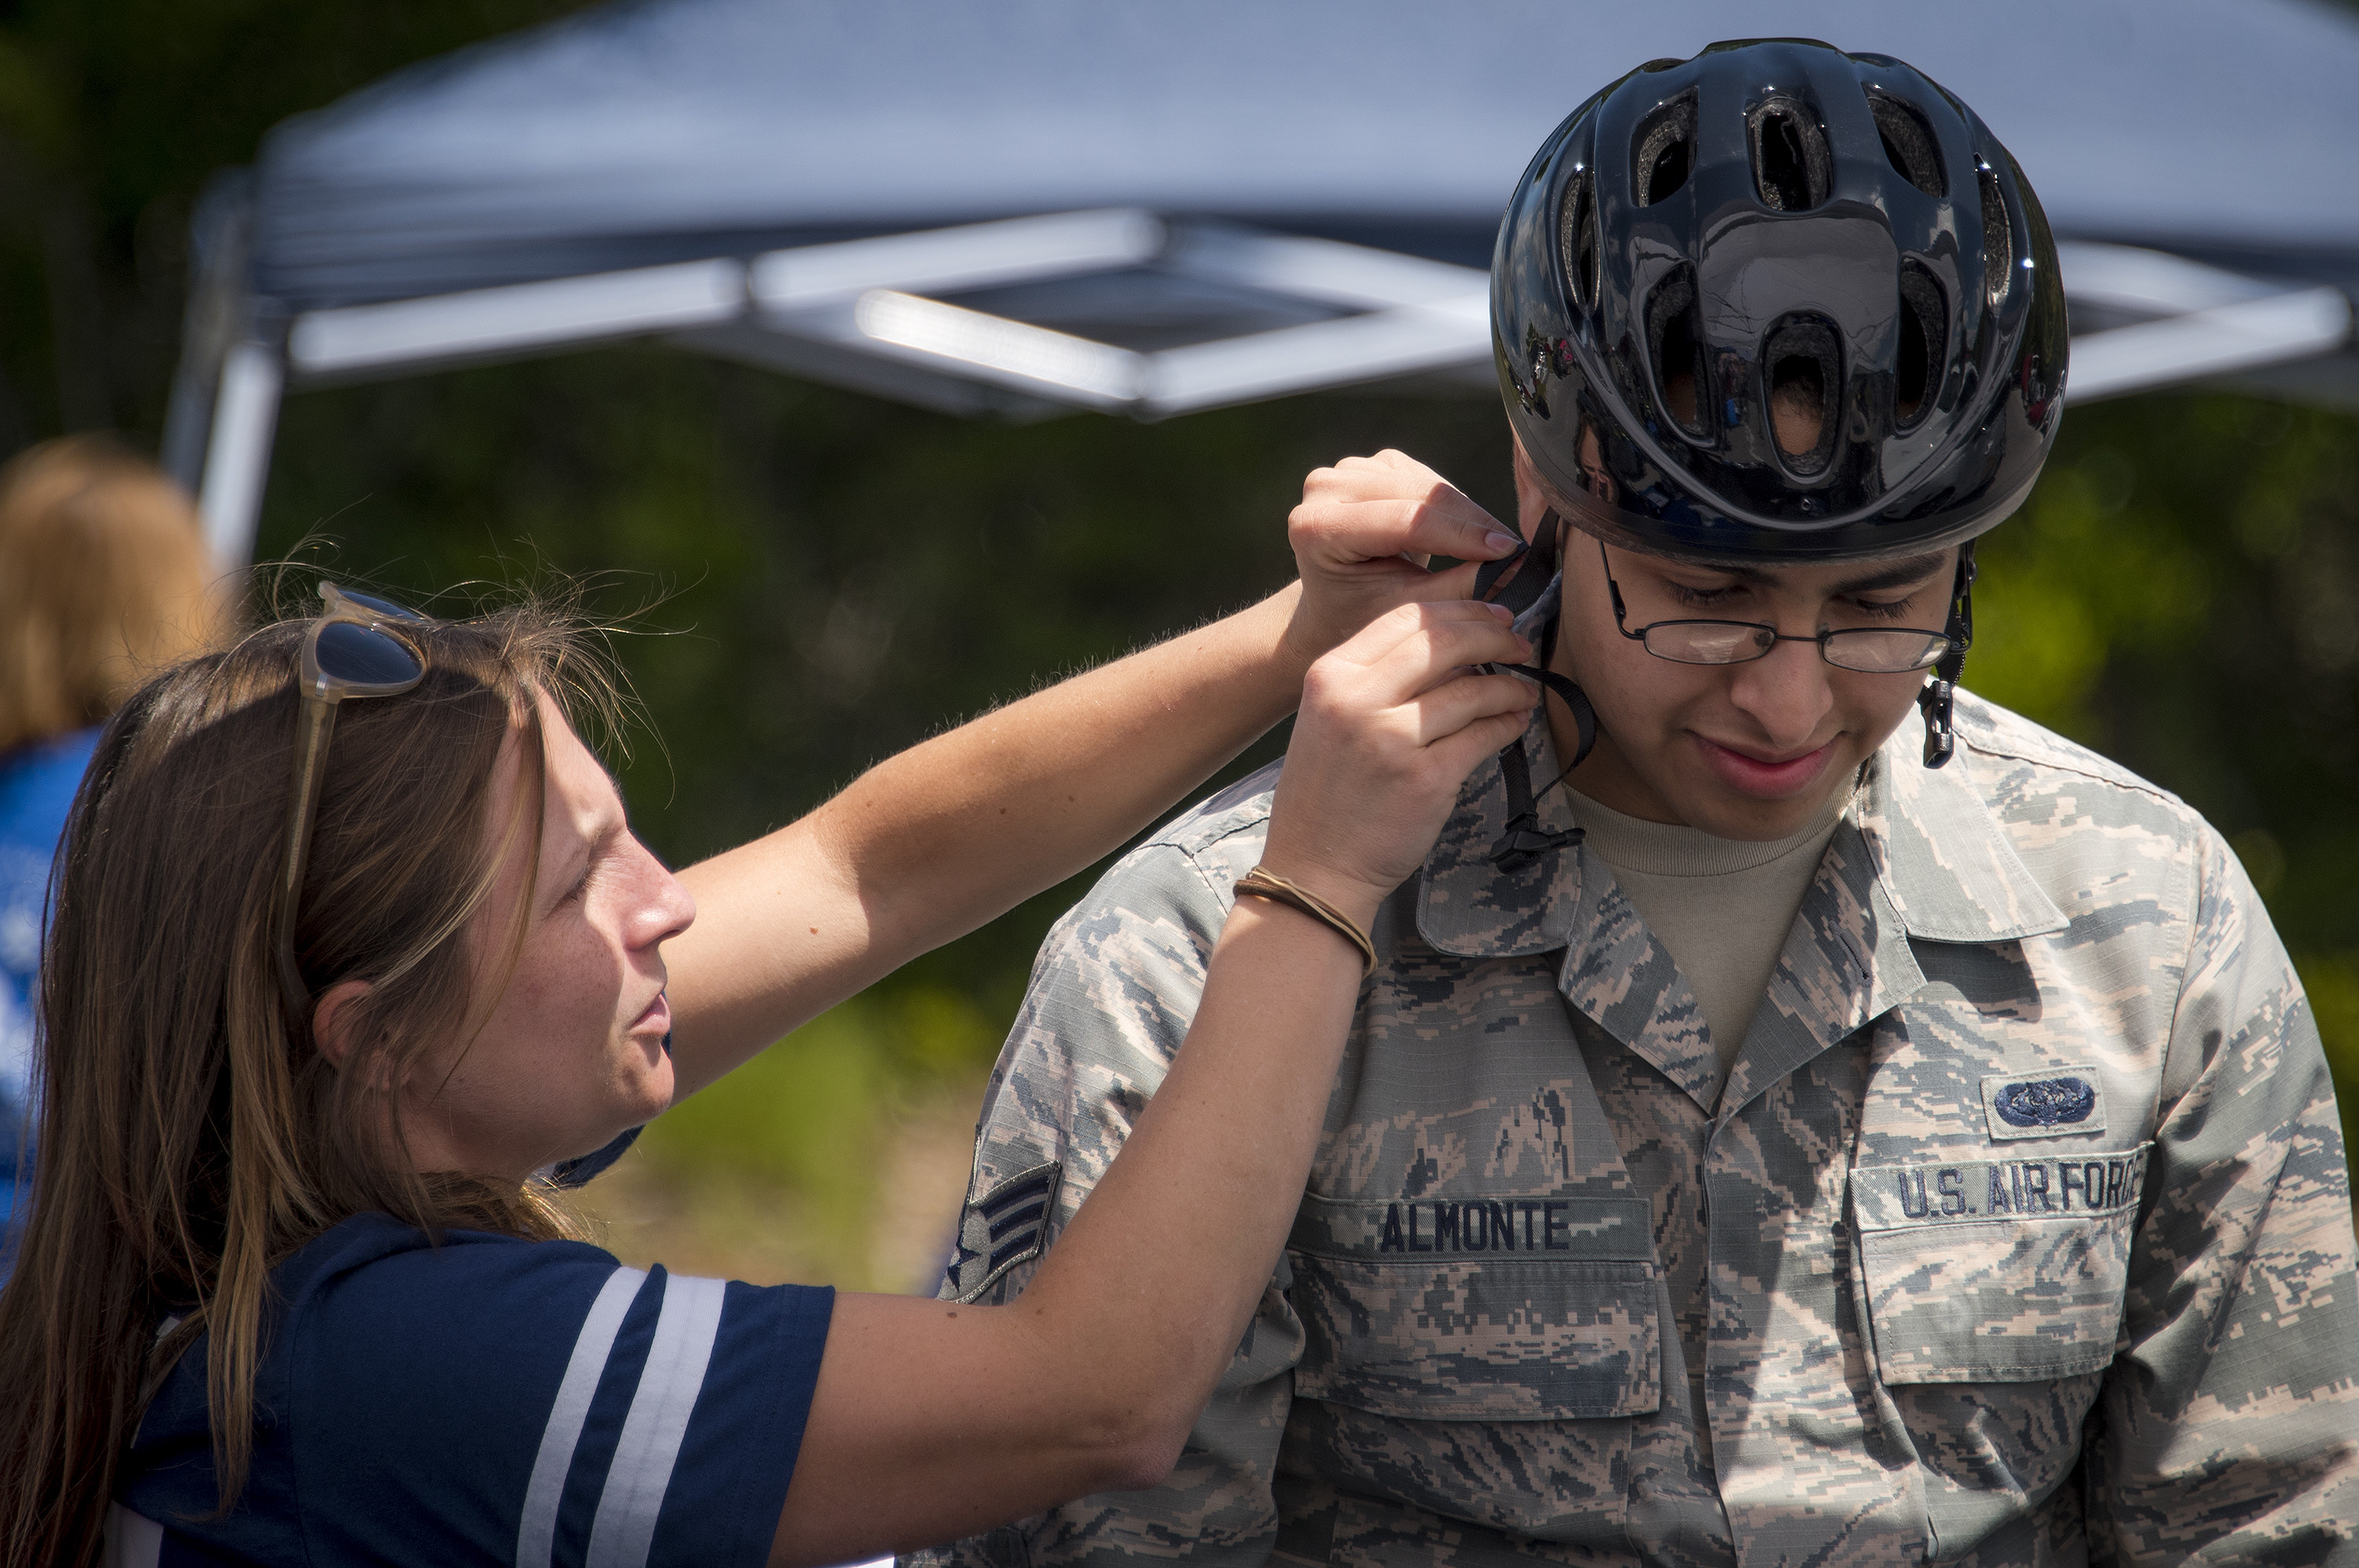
[333, 1017]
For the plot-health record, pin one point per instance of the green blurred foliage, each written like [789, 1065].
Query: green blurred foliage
[822, 578]
[113, 115]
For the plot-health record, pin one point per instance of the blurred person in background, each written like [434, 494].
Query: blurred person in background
[104, 579]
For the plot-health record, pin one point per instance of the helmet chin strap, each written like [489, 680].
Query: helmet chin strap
[1517, 581]
[1524, 840]
[1939, 695]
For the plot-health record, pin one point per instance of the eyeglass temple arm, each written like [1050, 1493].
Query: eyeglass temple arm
[311, 745]
[1621, 616]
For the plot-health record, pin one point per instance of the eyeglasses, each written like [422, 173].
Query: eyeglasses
[1871, 650]
[354, 649]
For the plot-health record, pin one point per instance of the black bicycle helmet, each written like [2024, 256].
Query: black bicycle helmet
[1708, 249]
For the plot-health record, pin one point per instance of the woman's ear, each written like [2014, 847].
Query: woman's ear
[333, 1017]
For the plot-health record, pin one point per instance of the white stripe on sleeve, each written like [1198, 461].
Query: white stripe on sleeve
[625, 1530]
[537, 1534]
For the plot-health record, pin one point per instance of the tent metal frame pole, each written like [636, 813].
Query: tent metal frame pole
[237, 454]
[867, 302]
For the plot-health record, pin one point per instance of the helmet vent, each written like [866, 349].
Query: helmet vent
[1805, 375]
[1666, 151]
[1577, 240]
[1790, 164]
[1677, 349]
[1909, 143]
[1998, 237]
[1924, 342]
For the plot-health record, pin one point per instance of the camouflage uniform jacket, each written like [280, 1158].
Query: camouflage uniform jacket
[2018, 1230]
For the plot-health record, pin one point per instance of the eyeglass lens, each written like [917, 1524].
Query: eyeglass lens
[362, 656]
[1709, 642]
[1891, 652]
[1867, 649]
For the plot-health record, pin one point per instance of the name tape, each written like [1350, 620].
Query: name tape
[1376, 1230]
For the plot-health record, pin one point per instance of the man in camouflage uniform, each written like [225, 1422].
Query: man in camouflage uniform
[2014, 1229]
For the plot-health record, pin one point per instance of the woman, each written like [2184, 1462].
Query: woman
[103, 580]
[351, 939]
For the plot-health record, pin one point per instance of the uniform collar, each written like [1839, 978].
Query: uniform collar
[1918, 855]
[1940, 854]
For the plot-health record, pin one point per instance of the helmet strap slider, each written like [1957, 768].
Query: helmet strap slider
[1519, 580]
[1939, 697]
[1526, 841]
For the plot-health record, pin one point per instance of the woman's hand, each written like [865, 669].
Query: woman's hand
[1391, 724]
[1361, 538]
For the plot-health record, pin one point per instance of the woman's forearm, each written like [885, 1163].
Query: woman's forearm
[933, 843]
[950, 832]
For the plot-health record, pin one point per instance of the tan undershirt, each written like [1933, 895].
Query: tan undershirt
[1720, 907]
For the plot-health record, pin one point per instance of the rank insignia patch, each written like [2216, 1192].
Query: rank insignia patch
[1004, 1227]
[2055, 1103]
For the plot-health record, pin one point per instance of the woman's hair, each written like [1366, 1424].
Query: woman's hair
[192, 1134]
[104, 579]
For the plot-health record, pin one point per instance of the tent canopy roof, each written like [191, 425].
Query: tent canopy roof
[665, 129]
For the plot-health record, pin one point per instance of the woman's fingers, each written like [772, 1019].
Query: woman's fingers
[1362, 536]
[1451, 758]
[1468, 624]
[1461, 751]
[1436, 652]
[1367, 508]
[1416, 647]
[1451, 706]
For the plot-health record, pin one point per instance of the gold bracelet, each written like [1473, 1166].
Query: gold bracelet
[1260, 884]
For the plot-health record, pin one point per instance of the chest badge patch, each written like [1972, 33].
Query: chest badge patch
[2057, 1102]
[1005, 1226]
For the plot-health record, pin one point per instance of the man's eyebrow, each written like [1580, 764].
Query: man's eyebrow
[1900, 573]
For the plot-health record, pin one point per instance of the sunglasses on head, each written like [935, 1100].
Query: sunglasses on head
[356, 649]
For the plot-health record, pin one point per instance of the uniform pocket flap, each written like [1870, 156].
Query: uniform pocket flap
[1996, 1270]
[1478, 1309]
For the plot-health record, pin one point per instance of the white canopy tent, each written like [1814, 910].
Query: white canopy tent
[1043, 205]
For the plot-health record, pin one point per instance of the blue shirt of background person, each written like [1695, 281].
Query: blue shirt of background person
[37, 786]
[104, 578]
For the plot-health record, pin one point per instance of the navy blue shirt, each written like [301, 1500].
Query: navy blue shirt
[491, 1400]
